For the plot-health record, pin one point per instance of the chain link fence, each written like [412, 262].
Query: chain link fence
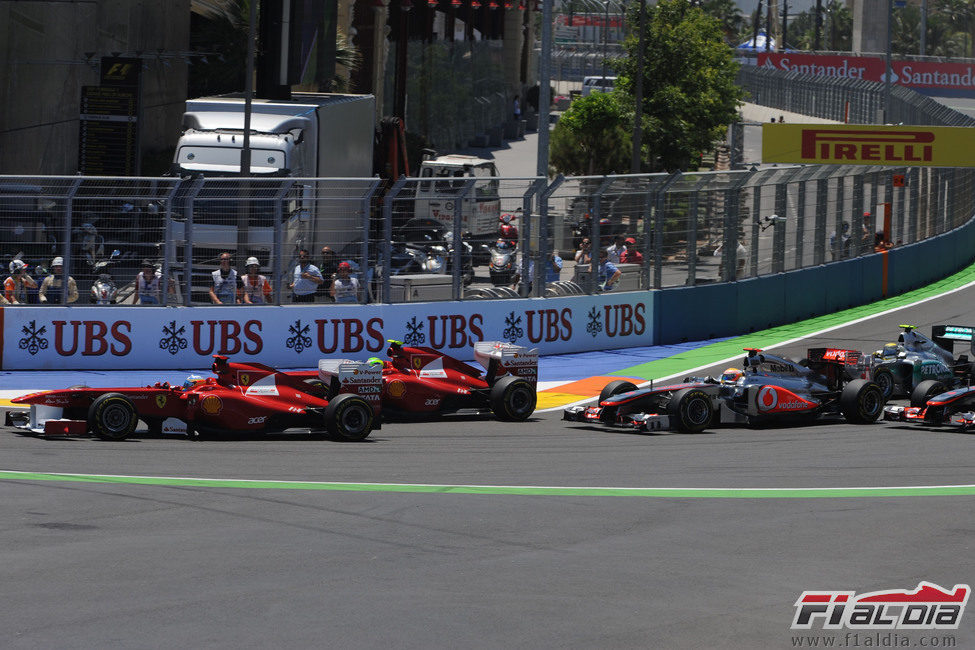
[138, 241]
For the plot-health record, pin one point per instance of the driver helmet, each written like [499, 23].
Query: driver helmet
[374, 361]
[731, 376]
[191, 381]
[889, 350]
[508, 231]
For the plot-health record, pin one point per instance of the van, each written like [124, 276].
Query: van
[599, 84]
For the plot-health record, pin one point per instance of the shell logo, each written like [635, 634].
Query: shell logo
[211, 405]
[396, 389]
[244, 379]
[160, 401]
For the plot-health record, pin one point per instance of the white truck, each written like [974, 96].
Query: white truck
[447, 175]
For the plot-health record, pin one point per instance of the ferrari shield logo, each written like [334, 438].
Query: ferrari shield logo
[244, 379]
[161, 400]
[417, 362]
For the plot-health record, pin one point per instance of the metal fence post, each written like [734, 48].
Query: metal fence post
[856, 230]
[195, 186]
[169, 250]
[365, 206]
[455, 276]
[800, 223]
[543, 235]
[596, 248]
[68, 215]
[781, 209]
[913, 181]
[278, 245]
[658, 229]
[819, 228]
[387, 245]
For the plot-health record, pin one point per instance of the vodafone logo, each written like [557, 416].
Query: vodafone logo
[773, 399]
[768, 399]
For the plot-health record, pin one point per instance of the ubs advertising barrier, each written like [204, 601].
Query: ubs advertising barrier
[940, 78]
[118, 338]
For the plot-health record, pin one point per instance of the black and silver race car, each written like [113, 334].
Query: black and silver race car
[770, 390]
[900, 368]
[949, 408]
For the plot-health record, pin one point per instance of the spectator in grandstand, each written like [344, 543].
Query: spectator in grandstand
[51, 286]
[226, 283]
[306, 279]
[16, 285]
[345, 288]
[257, 289]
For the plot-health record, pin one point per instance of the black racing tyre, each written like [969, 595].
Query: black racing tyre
[617, 387]
[349, 417]
[690, 410]
[513, 399]
[112, 416]
[884, 378]
[862, 401]
[926, 390]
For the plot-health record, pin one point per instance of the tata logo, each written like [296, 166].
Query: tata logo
[868, 145]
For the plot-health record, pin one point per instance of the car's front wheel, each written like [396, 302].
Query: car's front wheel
[690, 410]
[112, 416]
[925, 391]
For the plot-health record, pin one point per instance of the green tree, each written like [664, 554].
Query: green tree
[729, 16]
[590, 138]
[689, 90]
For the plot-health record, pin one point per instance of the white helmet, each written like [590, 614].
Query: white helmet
[252, 261]
[57, 261]
[17, 265]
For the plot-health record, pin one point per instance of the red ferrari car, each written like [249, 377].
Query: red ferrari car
[421, 382]
[240, 397]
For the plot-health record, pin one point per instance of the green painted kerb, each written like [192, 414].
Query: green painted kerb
[668, 493]
[715, 352]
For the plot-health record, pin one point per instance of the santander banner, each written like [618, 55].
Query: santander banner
[932, 77]
[117, 338]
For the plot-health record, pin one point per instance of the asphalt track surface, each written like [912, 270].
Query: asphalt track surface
[477, 534]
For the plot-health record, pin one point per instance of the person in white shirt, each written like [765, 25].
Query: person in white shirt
[345, 288]
[306, 278]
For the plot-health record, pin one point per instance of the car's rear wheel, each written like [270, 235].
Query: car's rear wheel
[862, 401]
[112, 416]
[513, 399]
[884, 378]
[317, 387]
[690, 410]
[926, 390]
[349, 417]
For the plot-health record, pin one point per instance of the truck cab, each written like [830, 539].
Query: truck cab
[444, 177]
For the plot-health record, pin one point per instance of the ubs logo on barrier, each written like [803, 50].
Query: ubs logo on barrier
[94, 338]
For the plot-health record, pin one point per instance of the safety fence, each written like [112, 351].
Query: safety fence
[843, 99]
[138, 241]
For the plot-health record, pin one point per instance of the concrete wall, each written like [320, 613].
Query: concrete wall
[43, 52]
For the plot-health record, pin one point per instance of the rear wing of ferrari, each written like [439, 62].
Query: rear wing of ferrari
[357, 377]
[502, 358]
[946, 335]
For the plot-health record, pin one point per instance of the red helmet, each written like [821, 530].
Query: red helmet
[508, 231]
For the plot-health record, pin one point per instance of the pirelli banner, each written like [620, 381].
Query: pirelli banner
[866, 144]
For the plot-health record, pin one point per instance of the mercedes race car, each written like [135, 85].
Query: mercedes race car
[771, 390]
[240, 397]
[900, 368]
[942, 408]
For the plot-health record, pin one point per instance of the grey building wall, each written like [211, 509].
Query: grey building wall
[869, 25]
[45, 50]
